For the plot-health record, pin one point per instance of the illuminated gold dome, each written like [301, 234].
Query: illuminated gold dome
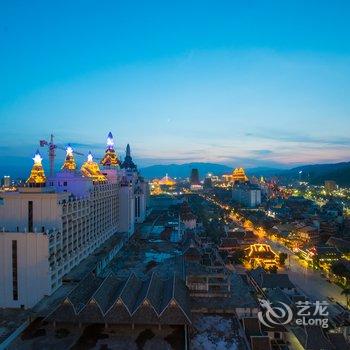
[92, 170]
[37, 174]
[69, 162]
[166, 180]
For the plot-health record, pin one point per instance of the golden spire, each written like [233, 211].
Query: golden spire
[92, 170]
[69, 163]
[37, 174]
[110, 158]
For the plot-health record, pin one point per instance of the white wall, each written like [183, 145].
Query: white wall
[32, 268]
[126, 210]
[46, 211]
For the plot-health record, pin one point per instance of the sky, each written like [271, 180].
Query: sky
[242, 83]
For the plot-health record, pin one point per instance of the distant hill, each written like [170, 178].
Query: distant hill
[183, 170]
[263, 171]
[317, 174]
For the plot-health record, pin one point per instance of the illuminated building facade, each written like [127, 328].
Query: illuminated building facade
[261, 255]
[52, 224]
[162, 185]
[237, 176]
[7, 181]
[37, 176]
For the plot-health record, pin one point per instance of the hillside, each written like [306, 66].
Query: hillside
[318, 173]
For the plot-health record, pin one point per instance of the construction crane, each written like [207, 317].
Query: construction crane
[52, 146]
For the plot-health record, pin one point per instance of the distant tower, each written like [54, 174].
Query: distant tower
[110, 158]
[128, 162]
[194, 178]
[37, 176]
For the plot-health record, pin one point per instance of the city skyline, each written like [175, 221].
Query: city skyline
[208, 84]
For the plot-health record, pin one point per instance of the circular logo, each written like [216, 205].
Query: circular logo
[274, 315]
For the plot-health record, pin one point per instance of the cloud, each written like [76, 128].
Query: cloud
[262, 152]
[285, 136]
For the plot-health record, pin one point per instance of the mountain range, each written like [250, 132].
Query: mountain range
[315, 174]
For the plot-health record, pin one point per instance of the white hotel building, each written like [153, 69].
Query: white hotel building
[51, 225]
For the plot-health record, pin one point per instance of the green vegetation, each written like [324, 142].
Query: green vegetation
[346, 292]
[282, 258]
[212, 217]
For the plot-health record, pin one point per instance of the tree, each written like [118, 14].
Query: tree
[282, 258]
[340, 269]
[346, 292]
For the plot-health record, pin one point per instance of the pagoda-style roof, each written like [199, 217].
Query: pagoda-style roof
[110, 158]
[69, 162]
[166, 180]
[92, 170]
[37, 175]
[126, 301]
[237, 175]
[128, 162]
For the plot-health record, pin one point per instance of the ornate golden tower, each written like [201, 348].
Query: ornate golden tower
[92, 170]
[37, 175]
[69, 163]
[110, 158]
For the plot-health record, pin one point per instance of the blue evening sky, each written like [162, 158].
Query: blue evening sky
[248, 83]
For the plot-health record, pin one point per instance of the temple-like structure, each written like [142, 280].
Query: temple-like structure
[237, 175]
[110, 158]
[69, 163]
[92, 170]
[128, 162]
[37, 175]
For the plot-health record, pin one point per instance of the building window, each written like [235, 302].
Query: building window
[14, 271]
[65, 183]
[30, 216]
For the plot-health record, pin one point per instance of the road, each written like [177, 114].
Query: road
[309, 281]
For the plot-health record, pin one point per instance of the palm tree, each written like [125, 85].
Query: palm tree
[346, 292]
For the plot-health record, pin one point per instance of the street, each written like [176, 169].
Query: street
[309, 281]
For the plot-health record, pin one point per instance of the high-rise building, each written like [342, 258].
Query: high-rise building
[7, 181]
[138, 185]
[247, 194]
[194, 177]
[52, 224]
